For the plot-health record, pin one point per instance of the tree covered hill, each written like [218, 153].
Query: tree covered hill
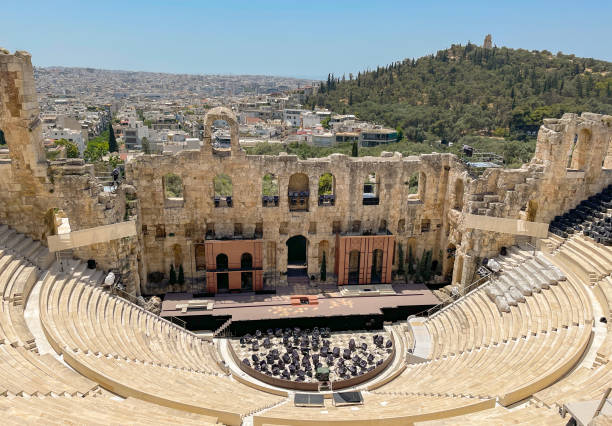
[472, 90]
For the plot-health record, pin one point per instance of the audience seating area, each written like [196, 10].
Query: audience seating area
[527, 335]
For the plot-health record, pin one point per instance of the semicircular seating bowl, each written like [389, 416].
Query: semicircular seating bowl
[480, 355]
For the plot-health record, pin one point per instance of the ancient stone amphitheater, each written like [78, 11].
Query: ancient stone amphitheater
[515, 347]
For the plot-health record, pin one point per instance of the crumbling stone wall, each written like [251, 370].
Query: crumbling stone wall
[30, 186]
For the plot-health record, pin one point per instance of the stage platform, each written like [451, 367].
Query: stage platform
[325, 301]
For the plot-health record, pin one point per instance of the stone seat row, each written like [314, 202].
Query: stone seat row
[474, 321]
[587, 381]
[16, 243]
[85, 317]
[17, 277]
[211, 395]
[500, 416]
[386, 409]
[93, 410]
[510, 371]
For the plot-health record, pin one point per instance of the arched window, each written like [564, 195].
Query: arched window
[458, 195]
[578, 155]
[246, 261]
[223, 191]
[327, 190]
[354, 264]
[200, 257]
[222, 262]
[371, 190]
[299, 192]
[269, 190]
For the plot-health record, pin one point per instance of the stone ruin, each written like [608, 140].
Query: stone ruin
[416, 201]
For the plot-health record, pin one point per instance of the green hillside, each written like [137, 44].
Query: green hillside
[470, 90]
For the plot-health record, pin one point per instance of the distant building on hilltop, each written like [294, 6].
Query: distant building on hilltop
[488, 42]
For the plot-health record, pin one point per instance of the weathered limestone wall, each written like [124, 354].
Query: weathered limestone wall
[569, 165]
[31, 188]
[186, 223]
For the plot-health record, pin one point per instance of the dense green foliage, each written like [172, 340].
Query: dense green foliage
[96, 148]
[112, 142]
[326, 184]
[223, 185]
[514, 152]
[269, 185]
[471, 90]
[72, 151]
[173, 186]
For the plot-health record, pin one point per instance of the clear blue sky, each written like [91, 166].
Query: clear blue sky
[302, 38]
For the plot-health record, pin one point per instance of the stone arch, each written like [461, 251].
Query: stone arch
[579, 150]
[177, 255]
[219, 114]
[298, 192]
[459, 192]
[371, 189]
[200, 257]
[269, 190]
[173, 187]
[297, 251]
[223, 189]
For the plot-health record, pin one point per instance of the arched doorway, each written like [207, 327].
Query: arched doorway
[297, 261]
[246, 277]
[376, 271]
[354, 264]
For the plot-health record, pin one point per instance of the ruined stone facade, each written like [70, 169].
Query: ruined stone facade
[573, 160]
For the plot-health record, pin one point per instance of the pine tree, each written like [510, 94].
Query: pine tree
[410, 261]
[355, 151]
[181, 275]
[112, 142]
[323, 268]
[172, 275]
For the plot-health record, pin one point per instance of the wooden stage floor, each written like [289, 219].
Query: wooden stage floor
[331, 303]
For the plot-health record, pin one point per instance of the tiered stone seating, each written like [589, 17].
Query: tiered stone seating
[509, 371]
[100, 410]
[499, 416]
[474, 322]
[191, 391]
[83, 317]
[385, 409]
[587, 381]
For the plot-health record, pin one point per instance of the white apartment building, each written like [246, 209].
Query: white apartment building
[74, 136]
[293, 117]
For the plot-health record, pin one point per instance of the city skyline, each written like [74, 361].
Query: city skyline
[289, 39]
